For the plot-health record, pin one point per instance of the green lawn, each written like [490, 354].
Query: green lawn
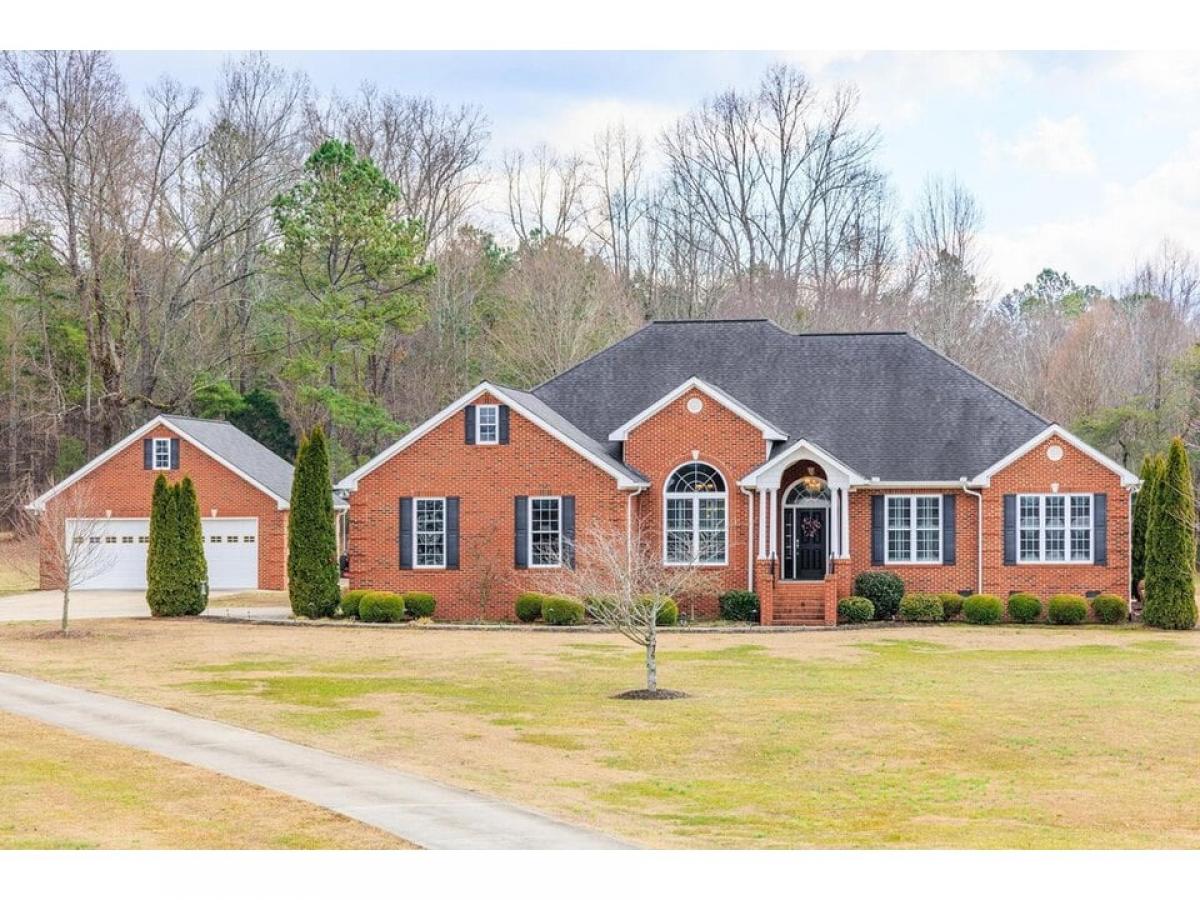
[947, 736]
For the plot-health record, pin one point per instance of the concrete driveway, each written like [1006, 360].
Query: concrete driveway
[46, 606]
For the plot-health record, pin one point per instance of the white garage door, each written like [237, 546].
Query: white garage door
[230, 546]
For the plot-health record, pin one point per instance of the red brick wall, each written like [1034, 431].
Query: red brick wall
[735, 447]
[1034, 473]
[123, 487]
[485, 478]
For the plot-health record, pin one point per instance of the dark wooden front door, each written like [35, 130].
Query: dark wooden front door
[805, 543]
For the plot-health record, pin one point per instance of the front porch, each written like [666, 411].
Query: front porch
[800, 505]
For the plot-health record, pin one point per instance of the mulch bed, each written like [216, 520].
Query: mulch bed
[644, 694]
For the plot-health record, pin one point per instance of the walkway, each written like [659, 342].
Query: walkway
[417, 809]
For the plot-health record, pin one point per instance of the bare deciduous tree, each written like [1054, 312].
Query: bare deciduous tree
[625, 583]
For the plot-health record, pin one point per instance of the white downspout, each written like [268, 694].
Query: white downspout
[749, 538]
[979, 537]
[629, 523]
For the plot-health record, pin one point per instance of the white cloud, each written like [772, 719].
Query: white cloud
[1162, 72]
[1101, 247]
[1057, 146]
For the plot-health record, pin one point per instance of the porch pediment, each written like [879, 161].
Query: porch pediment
[769, 475]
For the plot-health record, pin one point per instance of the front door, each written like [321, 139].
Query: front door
[804, 543]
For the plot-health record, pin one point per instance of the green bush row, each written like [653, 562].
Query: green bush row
[386, 606]
[555, 610]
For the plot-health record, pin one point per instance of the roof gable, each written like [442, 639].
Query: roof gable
[1128, 479]
[223, 442]
[769, 431]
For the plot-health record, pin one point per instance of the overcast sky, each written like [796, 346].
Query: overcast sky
[1082, 162]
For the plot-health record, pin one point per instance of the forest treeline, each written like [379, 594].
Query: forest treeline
[286, 259]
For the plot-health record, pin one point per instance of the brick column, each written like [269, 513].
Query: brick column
[764, 586]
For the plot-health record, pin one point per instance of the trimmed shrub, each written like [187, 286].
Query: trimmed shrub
[1067, 609]
[562, 611]
[739, 606]
[668, 613]
[853, 610]
[529, 606]
[951, 606]
[883, 589]
[175, 566]
[1170, 600]
[418, 604]
[380, 606]
[1024, 608]
[1110, 609]
[193, 567]
[351, 601]
[312, 546]
[921, 608]
[983, 609]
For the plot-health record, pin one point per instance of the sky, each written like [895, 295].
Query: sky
[1084, 162]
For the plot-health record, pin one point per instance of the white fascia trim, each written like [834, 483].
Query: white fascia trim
[802, 447]
[350, 482]
[39, 504]
[769, 431]
[1128, 479]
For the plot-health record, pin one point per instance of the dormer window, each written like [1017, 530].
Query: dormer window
[487, 424]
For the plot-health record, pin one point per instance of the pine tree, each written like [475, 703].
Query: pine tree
[312, 543]
[1138, 539]
[193, 567]
[1171, 545]
[161, 523]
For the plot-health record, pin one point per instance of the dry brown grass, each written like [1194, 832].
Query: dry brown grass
[917, 737]
[18, 566]
[248, 598]
[59, 790]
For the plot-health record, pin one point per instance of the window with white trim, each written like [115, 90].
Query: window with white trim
[429, 532]
[914, 528]
[545, 532]
[487, 424]
[1054, 528]
[161, 457]
[695, 525]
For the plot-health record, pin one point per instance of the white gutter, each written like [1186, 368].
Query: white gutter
[979, 537]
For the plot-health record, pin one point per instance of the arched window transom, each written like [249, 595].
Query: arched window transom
[696, 521]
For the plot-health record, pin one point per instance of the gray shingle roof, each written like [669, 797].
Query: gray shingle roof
[884, 403]
[239, 449]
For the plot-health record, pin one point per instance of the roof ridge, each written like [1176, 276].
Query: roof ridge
[199, 419]
[987, 384]
[537, 387]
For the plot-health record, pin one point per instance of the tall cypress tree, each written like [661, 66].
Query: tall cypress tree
[1138, 538]
[1171, 546]
[193, 567]
[312, 542]
[157, 580]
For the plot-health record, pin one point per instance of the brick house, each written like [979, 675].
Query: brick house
[242, 487]
[787, 463]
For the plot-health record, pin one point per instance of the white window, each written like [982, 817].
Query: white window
[429, 533]
[1054, 528]
[914, 528]
[162, 453]
[545, 532]
[695, 529]
[487, 424]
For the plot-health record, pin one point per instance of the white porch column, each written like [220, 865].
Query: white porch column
[762, 524]
[774, 522]
[845, 523]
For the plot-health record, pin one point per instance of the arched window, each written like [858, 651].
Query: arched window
[695, 520]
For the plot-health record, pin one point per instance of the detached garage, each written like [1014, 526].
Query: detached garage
[242, 489]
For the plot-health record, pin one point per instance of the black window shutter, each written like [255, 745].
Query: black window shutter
[174, 453]
[521, 532]
[406, 533]
[949, 530]
[1010, 529]
[451, 532]
[1100, 529]
[877, 530]
[502, 414]
[148, 453]
[568, 532]
[469, 423]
